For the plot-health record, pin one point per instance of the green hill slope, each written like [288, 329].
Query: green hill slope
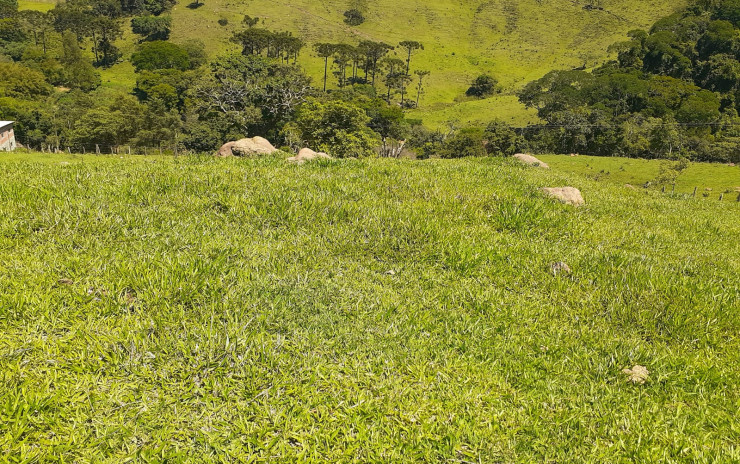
[517, 41]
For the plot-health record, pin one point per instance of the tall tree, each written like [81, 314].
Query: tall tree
[410, 46]
[419, 87]
[325, 51]
[374, 52]
[343, 54]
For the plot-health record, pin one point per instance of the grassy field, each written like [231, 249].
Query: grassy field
[208, 310]
[711, 179]
[517, 41]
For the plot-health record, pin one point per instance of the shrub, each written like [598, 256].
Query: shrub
[467, 142]
[501, 139]
[335, 127]
[354, 17]
[152, 27]
[483, 86]
[19, 81]
[161, 55]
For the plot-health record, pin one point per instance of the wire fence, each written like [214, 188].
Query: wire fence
[105, 149]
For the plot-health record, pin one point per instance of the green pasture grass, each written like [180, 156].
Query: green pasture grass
[230, 310]
[720, 179]
[38, 5]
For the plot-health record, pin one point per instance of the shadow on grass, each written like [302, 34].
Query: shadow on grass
[195, 5]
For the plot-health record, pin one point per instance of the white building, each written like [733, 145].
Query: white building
[7, 136]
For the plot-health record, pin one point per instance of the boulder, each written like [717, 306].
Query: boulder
[225, 150]
[255, 146]
[567, 195]
[531, 160]
[307, 154]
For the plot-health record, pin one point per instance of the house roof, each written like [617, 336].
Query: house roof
[4, 124]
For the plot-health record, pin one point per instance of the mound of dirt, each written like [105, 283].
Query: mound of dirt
[307, 154]
[567, 195]
[255, 146]
[530, 160]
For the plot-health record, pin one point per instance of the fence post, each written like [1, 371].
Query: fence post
[663, 189]
[721, 196]
[97, 149]
[695, 189]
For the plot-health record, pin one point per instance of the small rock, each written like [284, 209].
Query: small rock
[567, 195]
[307, 154]
[530, 160]
[638, 375]
[560, 268]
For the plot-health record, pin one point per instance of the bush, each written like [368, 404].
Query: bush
[161, 55]
[22, 82]
[334, 127]
[483, 86]
[152, 27]
[501, 139]
[354, 17]
[467, 142]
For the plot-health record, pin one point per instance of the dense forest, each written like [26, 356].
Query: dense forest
[673, 91]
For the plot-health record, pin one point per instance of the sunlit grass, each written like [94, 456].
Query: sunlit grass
[207, 310]
[712, 179]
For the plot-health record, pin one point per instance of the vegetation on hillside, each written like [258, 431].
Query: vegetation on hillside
[674, 91]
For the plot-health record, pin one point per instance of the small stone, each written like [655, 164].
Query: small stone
[638, 375]
[560, 268]
[568, 195]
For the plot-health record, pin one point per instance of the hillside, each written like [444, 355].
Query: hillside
[517, 41]
[198, 309]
